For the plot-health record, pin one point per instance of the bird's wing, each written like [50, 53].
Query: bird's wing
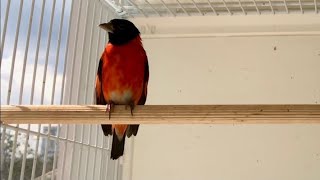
[133, 129]
[107, 129]
[143, 97]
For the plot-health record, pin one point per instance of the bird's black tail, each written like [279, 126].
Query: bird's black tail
[117, 146]
[132, 130]
[107, 129]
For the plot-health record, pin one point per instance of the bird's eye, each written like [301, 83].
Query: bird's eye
[121, 26]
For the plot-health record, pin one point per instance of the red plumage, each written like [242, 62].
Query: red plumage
[122, 77]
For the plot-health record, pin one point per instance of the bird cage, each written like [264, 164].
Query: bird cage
[201, 52]
[44, 57]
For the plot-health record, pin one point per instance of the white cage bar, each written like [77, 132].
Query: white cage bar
[138, 8]
[57, 62]
[36, 55]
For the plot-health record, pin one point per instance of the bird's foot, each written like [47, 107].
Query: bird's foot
[131, 108]
[131, 105]
[109, 108]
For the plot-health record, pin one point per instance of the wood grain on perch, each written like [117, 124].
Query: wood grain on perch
[161, 114]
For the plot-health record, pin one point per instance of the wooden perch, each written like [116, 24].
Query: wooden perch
[161, 114]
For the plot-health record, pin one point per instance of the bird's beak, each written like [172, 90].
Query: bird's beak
[107, 26]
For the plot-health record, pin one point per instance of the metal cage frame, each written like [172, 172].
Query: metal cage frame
[162, 8]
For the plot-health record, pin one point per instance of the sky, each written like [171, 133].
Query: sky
[21, 52]
[30, 54]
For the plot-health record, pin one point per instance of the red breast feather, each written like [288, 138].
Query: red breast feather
[123, 72]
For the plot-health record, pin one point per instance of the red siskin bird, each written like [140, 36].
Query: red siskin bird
[122, 77]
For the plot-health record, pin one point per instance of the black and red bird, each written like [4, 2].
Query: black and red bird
[122, 77]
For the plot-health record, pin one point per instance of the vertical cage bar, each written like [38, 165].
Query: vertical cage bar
[86, 87]
[96, 54]
[212, 8]
[101, 163]
[240, 4]
[74, 52]
[117, 6]
[89, 53]
[315, 6]
[25, 153]
[300, 4]
[165, 5]
[34, 164]
[225, 5]
[105, 42]
[183, 9]
[87, 155]
[26, 52]
[14, 146]
[101, 159]
[10, 86]
[106, 36]
[116, 170]
[286, 6]
[37, 53]
[111, 165]
[136, 7]
[72, 150]
[62, 97]
[58, 53]
[123, 9]
[44, 166]
[3, 36]
[108, 160]
[55, 156]
[80, 154]
[100, 43]
[43, 84]
[152, 7]
[101, 150]
[14, 52]
[64, 153]
[95, 151]
[196, 6]
[255, 5]
[78, 98]
[119, 171]
[271, 7]
[34, 133]
[82, 53]
[3, 136]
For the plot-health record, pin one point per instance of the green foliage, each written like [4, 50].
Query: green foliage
[7, 154]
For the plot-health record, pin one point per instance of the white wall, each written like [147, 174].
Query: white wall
[246, 69]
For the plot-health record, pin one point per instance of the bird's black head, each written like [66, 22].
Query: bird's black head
[120, 31]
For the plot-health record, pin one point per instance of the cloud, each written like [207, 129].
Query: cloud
[21, 48]
[16, 82]
[24, 24]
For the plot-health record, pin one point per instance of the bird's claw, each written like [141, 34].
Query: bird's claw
[131, 105]
[109, 108]
[131, 108]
